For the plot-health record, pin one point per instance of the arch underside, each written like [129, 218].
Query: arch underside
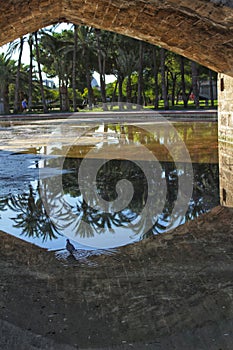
[201, 30]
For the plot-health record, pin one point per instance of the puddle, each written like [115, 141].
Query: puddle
[43, 200]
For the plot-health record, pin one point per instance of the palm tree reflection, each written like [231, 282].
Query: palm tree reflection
[205, 196]
[33, 220]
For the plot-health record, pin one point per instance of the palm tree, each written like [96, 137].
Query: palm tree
[85, 38]
[53, 59]
[211, 88]
[140, 73]
[101, 65]
[120, 73]
[6, 76]
[14, 45]
[163, 77]
[74, 67]
[195, 83]
[45, 109]
[185, 97]
[155, 75]
[30, 43]
[126, 61]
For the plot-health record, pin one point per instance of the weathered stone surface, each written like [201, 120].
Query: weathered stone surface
[170, 292]
[200, 30]
[225, 111]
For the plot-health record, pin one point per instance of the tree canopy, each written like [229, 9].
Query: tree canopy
[144, 74]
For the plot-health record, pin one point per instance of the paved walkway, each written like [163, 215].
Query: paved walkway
[147, 114]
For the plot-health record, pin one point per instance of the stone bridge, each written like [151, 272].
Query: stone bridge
[201, 30]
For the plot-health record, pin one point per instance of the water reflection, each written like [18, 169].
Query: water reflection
[30, 216]
[205, 196]
[200, 139]
[26, 214]
[32, 220]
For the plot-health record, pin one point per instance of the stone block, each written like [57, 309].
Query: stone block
[225, 93]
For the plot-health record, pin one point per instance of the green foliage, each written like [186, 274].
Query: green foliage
[120, 56]
[79, 96]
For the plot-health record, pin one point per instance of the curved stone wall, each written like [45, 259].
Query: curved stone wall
[201, 30]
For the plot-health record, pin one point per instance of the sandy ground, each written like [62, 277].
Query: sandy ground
[173, 291]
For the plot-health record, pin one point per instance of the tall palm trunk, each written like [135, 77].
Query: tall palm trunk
[74, 67]
[129, 89]
[195, 79]
[64, 100]
[140, 74]
[114, 94]
[183, 86]
[88, 79]
[40, 74]
[89, 88]
[16, 100]
[211, 88]
[163, 77]
[120, 80]
[155, 73]
[30, 42]
[6, 99]
[173, 81]
[101, 64]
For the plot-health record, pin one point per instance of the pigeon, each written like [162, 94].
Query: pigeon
[69, 246]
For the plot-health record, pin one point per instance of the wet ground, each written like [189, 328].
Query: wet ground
[41, 153]
[172, 291]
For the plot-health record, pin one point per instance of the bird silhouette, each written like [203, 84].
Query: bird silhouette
[69, 246]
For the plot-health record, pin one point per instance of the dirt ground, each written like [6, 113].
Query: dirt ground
[173, 291]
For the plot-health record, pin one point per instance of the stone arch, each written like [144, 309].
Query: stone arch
[200, 30]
